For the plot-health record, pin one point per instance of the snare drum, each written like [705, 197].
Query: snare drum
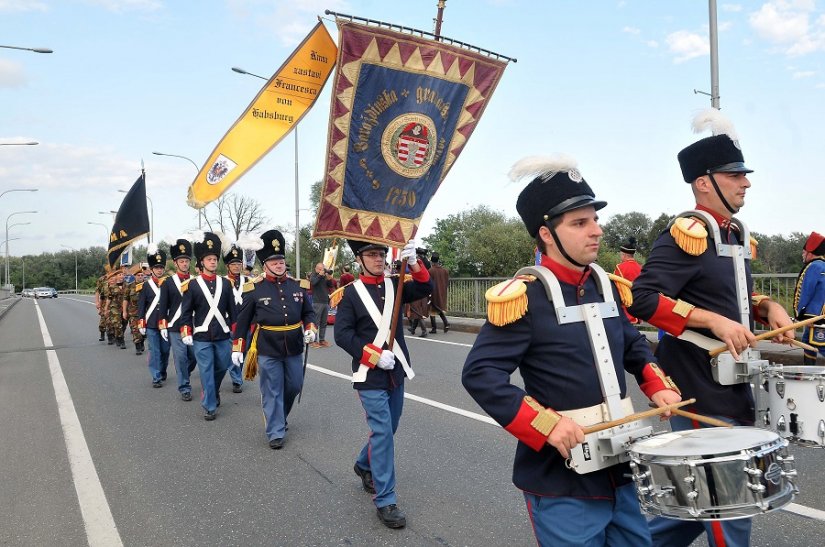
[713, 473]
[796, 403]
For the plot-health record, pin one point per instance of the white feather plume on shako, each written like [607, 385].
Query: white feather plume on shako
[717, 123]
[198, 236]
[226, 242]
[151, 249]
[545, 167]
[250, 242]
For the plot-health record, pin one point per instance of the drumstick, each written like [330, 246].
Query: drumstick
[698, 417]
[633, 417]
[803, 345]
[774, 332]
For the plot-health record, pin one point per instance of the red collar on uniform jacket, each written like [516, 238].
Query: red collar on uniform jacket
[276, 278]
[565, 274]
[183, 276]
[208, 277]
[723, 222]
[155, 278]
[371, 279]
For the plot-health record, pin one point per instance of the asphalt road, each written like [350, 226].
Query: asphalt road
[170, 478]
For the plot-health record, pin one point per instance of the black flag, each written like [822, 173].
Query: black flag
[131, 222]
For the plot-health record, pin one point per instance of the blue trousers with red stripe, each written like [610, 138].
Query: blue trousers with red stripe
[678, 533]
[383, 409]
[589, 522]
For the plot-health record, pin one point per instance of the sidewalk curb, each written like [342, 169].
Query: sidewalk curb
[5, 308]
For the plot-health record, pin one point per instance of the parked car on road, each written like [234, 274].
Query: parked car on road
[45, 292]
[27, 293]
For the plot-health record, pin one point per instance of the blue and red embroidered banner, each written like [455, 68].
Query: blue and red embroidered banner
[403, 107]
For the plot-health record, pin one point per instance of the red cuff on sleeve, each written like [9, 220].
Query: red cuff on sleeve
[370, 355]
[141, 323]
[238, 345]
[162, 324]
[522, 429]
[655, 380]
[422, 275]
[186, 330]
[310, 326]
[666, 319]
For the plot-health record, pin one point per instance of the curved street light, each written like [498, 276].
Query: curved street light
[197, 170]
[18, 190]
[297, 206]
[30, 143]
[34, 49]
[7, 238]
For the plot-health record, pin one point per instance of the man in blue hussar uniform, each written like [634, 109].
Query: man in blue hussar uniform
[149, 314]
[208, 315]
[809, 295]
[560, 367]
[362, 329]
[171, 315]
[686, 284]
[233, 258]
[285, 323]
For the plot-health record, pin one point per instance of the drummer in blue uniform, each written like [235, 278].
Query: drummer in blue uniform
[233, 258]
[149, 314]
[171, 300]
[208, 315]
[363, 325]
[809, 295]
[686, 284]
[560, 368]
[285, 323]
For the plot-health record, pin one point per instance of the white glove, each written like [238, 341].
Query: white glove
[187, 340]
[142, 331]
[237, 358]
[408, 252]
[387, 360]
[309, 336]
[165, 334]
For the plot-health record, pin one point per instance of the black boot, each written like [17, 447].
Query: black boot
[138, 347]
[432, 325]
[102, 336]
[110, 340]
[413, 325]
[121, 342]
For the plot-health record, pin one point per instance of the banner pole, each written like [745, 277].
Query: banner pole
[399, 293]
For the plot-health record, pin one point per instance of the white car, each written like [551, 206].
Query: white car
[27, 293]
[45, 292]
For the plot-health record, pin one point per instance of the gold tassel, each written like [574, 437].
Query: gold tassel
[251, 361]
[336, 296]
[690, 235]
[754, 245]
[623, 287]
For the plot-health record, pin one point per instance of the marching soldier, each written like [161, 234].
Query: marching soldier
[362, 329]
[233, 258]
[698, 276]
[149, 312]
[170, 315]
[100, 303]
[563, 366]
[115, 303]
[285, 323]
[131, 299]
[809, 295]
[206, 318]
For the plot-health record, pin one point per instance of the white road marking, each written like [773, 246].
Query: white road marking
[79, 300]
[97, 516]
[408, 338]
[804, 511]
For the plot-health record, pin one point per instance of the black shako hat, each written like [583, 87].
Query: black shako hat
[235, 254]
[182, 248]
[629, 246]
[558, 187]
[211, 245]
[717, 154]
[155, 257]
[274, 246]
[359, 247]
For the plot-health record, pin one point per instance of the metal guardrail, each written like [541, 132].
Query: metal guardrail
[465, 295]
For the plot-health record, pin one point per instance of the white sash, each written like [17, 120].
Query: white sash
[175, 317]
[239, 291]
[383, 322]
[213, 305]
[155, 300]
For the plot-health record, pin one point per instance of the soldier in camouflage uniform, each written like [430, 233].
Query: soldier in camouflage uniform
[100, 301]
[116, 304]
[132, 294]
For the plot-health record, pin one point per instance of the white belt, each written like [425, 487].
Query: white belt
[212, 302]
[596, 414]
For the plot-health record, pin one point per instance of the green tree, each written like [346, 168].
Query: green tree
[622, 226]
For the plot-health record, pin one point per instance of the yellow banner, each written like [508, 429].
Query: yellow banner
[277, 108]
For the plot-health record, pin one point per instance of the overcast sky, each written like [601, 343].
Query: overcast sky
[608, 82]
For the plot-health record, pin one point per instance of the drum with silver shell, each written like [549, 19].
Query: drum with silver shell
[796, 403]
[713, 473]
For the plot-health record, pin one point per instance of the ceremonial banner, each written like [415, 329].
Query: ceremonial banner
[131, 222]
[403, 107]
[277, 108]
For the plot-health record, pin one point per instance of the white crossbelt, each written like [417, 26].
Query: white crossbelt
[212, 302]
[155, 300]
[383, 321]
[239, 291]
[175, 317]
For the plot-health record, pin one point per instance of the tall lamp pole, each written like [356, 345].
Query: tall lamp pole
[297, 195]
[34, 49]
[714, 55]
[197, 170]
[7, 238]
[18, 190]
[105, 228]
[75, 265]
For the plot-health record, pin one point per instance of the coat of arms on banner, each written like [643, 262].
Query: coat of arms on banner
[222, 167]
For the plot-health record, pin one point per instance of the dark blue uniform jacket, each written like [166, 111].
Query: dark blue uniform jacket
[195, 309]
[145, 298]
[170, 299]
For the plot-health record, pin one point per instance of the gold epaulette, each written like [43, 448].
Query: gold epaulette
[690, 235]
[139, 287]
[249, 286]
[507, 301]
[336, 296]
[184, 285]
[623, 286]
[754, 245]
[407, 278]
[162, 279]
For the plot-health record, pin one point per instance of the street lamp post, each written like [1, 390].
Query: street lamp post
[105, 228]
[7, 238]
[18, 190]
[34, 49]
[197, 170]
[151, 214]
[30, 143]
[297, 196]
[75, 265]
